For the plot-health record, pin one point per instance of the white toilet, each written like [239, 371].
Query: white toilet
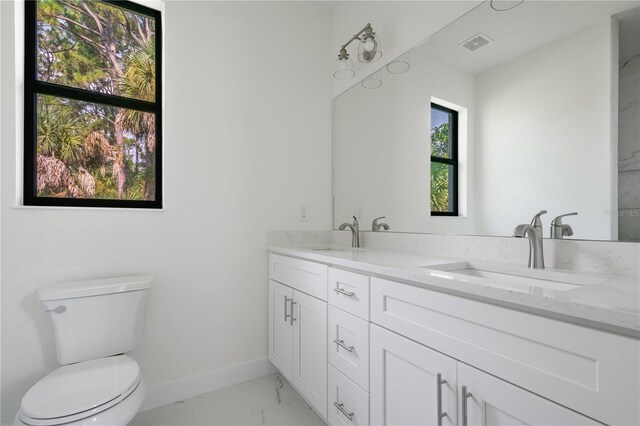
[95, 323]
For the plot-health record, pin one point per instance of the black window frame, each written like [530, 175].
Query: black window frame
[452, 161]
[33, 87]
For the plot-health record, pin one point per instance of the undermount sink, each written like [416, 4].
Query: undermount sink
[514, 278]
[327, 249]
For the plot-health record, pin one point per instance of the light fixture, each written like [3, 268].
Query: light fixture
[398, 67]
[344, 66]
[369, 50]
[373, 81]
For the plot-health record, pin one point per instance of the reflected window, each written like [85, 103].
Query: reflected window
[92, 104]
[444, 161]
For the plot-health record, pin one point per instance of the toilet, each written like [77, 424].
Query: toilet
[95, 323]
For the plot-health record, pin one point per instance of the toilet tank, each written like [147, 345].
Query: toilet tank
[96, 318]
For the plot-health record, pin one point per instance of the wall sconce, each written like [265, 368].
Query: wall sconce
[369, 50]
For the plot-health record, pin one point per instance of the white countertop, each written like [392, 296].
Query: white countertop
[607, 302]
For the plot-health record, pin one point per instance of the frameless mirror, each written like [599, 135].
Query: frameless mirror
[499, 115]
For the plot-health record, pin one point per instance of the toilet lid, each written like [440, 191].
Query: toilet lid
[79, 387]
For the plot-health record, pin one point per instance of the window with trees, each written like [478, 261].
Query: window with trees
[93, 116]
[444, 161]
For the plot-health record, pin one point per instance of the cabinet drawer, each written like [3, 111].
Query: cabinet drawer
[353, 401]
[590, 371]
[308, 277]
[350, 292]
[351, 355]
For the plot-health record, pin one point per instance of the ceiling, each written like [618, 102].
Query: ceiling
[522, 29]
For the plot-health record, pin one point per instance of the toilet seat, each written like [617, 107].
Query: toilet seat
[77, 391]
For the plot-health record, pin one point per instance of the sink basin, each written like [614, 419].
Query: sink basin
[535, 281]
[327, 249]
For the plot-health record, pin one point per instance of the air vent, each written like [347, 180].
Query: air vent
[476, 42]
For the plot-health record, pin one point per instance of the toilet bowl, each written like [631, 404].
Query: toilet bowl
[105, 391]
[95, 323]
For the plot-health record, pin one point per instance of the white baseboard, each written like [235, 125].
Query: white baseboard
[187, 387]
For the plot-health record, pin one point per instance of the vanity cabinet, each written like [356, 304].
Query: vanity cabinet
[414, 385]
[590, 371]
[298, 327]
[389, 353]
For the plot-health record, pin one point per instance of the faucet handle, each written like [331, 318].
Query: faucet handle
[558, 219]
[374, 224]
[536, 222]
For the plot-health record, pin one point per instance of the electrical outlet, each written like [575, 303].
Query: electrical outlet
[304, 214]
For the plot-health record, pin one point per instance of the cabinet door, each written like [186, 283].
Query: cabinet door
[310, 350]
[496, 402]
[404, 384]
[280, 328]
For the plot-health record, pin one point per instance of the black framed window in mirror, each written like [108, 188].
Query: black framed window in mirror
[444, 161]
[93, 104]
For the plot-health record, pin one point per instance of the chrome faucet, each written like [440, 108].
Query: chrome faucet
[534, 232]
[355, 231]
[560, 230]
[375, 226]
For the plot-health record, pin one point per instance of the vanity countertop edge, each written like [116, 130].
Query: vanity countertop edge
[591, 306]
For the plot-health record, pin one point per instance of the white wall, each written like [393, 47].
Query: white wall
[548, 112]
[247, 140]
[401, 25]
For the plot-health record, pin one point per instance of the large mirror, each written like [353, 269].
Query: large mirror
[500, 115]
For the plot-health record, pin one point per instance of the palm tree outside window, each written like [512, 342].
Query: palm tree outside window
[93, 115]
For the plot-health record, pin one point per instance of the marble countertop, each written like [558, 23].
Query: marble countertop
[606, 302]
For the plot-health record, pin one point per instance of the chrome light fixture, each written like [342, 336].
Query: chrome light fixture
[369, 50]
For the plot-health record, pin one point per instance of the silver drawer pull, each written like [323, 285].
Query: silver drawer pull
[58, 309]
[286, 315]
[291, 318]
[343, 411]
[342, 345]
[465, 408]
[342, 291]
[441, 414]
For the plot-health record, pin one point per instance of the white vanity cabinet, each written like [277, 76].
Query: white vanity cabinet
[388, 353]
[414, 385]
[298, 327]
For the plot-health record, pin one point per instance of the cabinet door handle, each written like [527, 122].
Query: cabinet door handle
[439, 383]
[342, 345]
[343, 291]
[286, 315]
[292, 319]
[465, 395]
[343, 411]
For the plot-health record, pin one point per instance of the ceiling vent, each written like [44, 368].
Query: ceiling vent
[476, 42]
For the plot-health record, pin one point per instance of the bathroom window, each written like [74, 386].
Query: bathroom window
[93, 110]
[444, 161]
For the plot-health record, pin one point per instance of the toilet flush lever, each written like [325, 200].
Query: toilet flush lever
[58, 310]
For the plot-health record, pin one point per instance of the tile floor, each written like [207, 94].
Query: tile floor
[268, 400]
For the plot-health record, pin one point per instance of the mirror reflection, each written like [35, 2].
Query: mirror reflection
[498, 116]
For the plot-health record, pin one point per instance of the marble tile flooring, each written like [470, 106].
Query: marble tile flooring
[267, 400]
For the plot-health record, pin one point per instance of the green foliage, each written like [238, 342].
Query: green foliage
[439, 171]
[439, 187]
[58, 132]
[440, 141]
[97, 46]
